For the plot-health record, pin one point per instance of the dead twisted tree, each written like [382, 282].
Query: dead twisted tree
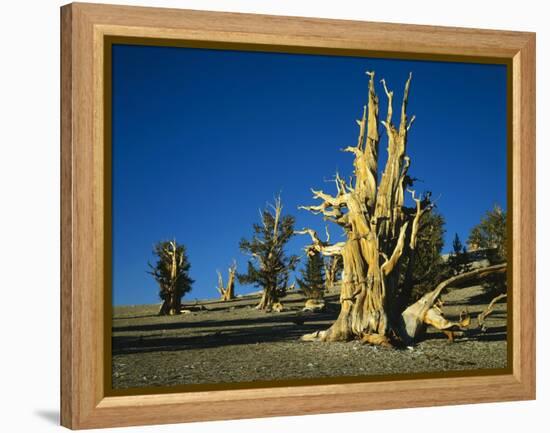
[380, 236]
[227, 292]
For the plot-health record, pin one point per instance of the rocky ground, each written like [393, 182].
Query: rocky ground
[232, 342]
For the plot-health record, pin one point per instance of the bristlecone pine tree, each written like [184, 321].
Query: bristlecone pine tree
[380, 232]
[227, 292]
[269, 267]
[490, 233]
[312, 283]
[171, 272]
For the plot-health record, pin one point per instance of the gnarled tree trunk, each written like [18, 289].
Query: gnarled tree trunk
[172, 302]
[171, 305]
[380, 232]
[268, 300]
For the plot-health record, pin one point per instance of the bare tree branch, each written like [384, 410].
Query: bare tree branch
[390, 264]
[490, 308]
[318, 245]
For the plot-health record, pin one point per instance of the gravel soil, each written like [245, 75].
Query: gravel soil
[232, 342]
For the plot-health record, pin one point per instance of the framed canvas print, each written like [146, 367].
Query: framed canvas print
[269, 216]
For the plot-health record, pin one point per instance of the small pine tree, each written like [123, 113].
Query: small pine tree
[490, 234]
[269, 267]
[312, 282]
[458, 259]
[171, 272]
[428, 269]
[457, 245]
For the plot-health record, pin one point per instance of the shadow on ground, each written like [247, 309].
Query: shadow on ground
[217, 333]
[269, 329]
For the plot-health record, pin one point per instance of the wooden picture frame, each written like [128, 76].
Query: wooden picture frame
[84, 188]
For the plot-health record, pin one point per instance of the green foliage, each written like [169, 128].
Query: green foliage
[428, 268]
[269, 267]
[458, 259]
[490, 234]
[458, 248]
[312, 282]
[171, 270]
[494, 285]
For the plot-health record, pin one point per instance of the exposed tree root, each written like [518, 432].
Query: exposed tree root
[376, 340]
[426, 312]
[314, 336]
[490, 308]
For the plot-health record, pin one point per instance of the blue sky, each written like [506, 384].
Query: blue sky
[203, 139]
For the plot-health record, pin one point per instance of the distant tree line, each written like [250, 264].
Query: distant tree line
[269, 267]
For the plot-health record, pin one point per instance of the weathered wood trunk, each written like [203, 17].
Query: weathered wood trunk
[175, 304]
[164, 308]
[363, 295]
[230, 289]
[268, 299]
[227, 292]
[170, 306]
[172, 297]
